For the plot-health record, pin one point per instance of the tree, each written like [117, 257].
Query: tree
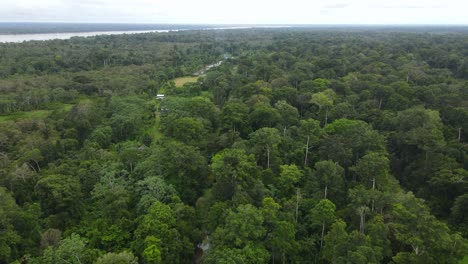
[234, 171]
[348, 140]
[160, 224]
[130, 153]
[117, 258]
[280, 239]
[51, 237]
[355, 247]
[71, 249]
[234, 115]
[322, 214]
[264, 144]
[112, 196]
[372, 169]
[9, 210]
[243, 226]
[329, 175]
[288, 113]
[288, 179]
[32, 158]
[362, 212]
[21, 182]
[240, 239]
[191, 131]
[310, 132]
[324, 100]
[203, 107]
[459, 217]
[181, 166]
[420, 127]
[152, 253]
[60, 197]
[425, 236]
[333, 250]
[249, 254]
[127, 117]
[152, 189]
[263, 115]
[83, 117]
[378, 233]
[102, 135]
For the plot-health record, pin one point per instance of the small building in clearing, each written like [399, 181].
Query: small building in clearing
[160, 96]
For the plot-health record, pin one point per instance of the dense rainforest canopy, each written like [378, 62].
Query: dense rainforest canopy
[302, 146]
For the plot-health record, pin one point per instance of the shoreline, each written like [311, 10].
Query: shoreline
[19, 38]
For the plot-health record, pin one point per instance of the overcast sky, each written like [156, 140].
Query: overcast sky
[238, 11]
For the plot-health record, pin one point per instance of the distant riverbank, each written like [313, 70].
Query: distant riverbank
[17, 33]
[51, 36]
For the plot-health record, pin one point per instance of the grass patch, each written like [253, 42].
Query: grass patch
[36, 114]
[179, 82]
[464, 261]
[154, 129]
[157, 134]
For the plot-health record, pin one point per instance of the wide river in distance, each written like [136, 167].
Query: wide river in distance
[18, 38]
[49, 36]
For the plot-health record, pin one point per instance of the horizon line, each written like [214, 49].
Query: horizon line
[246, 24]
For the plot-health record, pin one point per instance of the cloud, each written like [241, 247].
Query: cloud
[337, 6]
[239, 11]
[411, 6]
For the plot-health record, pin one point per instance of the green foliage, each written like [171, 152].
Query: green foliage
[234, 116]
[117, 258]
[152, 189]
[112, 196]
[420, 127]
[157, 236]
[372, 170]
[330, 178]
[187, 130]
[323, 212]
[289, 114]
[60, 196]
[264, 115]
[70, 250]
[102, 136]
[349, 140]
[264, 145]
[234, 172]
[341, 247]
[10, 237]
[152, 252]
[242, 227]
[302, 146]
[289, 178]
[248, 254]
[240, 238]
[127, 117]
[414, 226]
[182, 166]
[459, 216]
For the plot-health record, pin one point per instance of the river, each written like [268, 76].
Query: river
[49, 36]
[18, 38]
